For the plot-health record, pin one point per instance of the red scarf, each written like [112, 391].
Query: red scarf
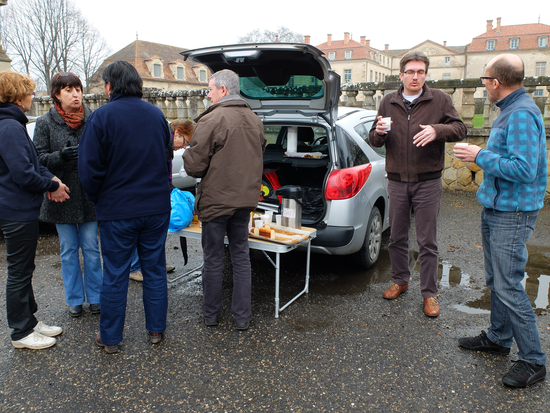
[73, 120]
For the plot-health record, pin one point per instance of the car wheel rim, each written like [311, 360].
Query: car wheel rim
[375, 237]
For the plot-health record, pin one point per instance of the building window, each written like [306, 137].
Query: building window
[371, 75]
[179, 73]
[447, 61]
[538, 93]
[202, 74]
[347, 75]
[156, 70]
[490, 45]
[331, 55]
[376, 77]
[485, 94]
[543, 41]
[514, 43]
[446, 76]
[540, 69]
[348, 54]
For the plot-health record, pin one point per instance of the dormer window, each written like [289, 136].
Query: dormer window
[179, 73]
[156, 70]
[490, 45]
[543, 41]
[348, 54]
[202, 74]
[331, 55]
[514, 43]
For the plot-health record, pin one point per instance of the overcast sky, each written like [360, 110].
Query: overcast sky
[401, 24]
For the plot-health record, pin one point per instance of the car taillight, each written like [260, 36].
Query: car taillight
[345, 183]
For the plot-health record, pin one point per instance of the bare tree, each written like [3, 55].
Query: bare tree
[268, 36]
[48, 36]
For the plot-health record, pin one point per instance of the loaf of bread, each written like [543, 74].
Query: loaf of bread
[279, 234]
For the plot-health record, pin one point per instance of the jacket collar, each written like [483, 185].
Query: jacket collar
[12, 111]
[398, 97]
[231, 100]
[511, 98]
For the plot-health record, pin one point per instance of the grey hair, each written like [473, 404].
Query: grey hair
[227, 78]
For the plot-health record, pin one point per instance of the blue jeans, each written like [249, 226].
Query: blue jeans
[136, 266]
[73, 237]
[504, 237]
[118, 243]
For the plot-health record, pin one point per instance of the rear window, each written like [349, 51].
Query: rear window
[349, 152]
[295, 87]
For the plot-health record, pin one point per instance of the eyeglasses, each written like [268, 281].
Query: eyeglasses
[489, 77]
[412, 72]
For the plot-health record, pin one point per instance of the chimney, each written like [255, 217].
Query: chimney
[363, 40]
[498, 24]
[386, 47]
[367, 43]
[329, 39]
[444, 43]
[346, 37]
[489, 25]
[307, 39]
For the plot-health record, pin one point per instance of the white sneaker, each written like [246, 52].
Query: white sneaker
[46, 330]
[34, 341]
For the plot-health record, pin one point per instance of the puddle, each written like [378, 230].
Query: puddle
[334, 278]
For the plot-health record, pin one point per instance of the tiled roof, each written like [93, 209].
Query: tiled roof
[138, 52]
[358, 51]
[527, 34]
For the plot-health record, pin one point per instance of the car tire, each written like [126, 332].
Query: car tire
[369, 252]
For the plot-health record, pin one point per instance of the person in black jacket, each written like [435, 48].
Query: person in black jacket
[23, 182]
[56, 137]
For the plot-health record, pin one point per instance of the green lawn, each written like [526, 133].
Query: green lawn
[478, 120]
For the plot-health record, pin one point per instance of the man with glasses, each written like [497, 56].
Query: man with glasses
[422, 121]
[514, 167]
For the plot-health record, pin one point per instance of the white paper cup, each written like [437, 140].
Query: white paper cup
[258, 223]
[278, 219]
[268, 217]
[387, 123]
[461, 145]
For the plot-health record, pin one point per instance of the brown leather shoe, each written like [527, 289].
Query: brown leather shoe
[394, 291]
[431, 307]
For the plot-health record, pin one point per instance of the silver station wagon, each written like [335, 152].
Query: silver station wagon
[343, 180]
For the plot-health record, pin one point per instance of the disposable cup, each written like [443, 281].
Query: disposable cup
[258, 223]
[387, 123]
[461, 145]
[278, 219]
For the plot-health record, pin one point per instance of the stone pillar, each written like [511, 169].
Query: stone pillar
[181, 104]
[468, 106]
[171, 108]
[547, 110]
[160, 103]
[193, 106]
[352, 98]
[369, 103]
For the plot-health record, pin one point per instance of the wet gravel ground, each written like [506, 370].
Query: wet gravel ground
[340, 348]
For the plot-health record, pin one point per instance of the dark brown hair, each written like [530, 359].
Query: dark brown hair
[414, 56]
[61, 80]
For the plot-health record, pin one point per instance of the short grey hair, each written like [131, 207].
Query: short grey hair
[227, 78]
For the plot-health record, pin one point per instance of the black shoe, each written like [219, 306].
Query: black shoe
[523, 374]
[243, 326]
[95, 308]
[210, 322]
[75, 310]
[482, 343]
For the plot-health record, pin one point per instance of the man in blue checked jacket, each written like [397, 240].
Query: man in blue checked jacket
[515, 172]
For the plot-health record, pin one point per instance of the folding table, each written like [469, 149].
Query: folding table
[194, 231]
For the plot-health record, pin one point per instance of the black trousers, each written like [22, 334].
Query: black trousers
[21, 239]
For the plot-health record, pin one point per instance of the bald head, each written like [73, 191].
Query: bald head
[508, 69]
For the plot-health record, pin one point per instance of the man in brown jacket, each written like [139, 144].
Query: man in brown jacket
[422, 120]
[227, 153]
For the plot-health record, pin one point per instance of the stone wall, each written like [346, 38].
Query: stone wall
[457, 174]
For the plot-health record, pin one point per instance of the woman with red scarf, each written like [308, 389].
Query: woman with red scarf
[56, 137]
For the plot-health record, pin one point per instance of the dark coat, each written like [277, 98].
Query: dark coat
[51, 135]
[23, 180]
[227, 153]
[406, 162]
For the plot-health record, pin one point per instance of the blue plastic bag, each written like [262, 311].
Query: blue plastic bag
[182, 203]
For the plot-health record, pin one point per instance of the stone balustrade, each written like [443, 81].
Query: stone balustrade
[457, 174]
